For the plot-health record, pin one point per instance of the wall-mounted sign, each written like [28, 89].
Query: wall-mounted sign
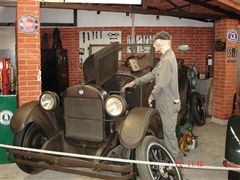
[28, 24]
[184, 47]
[232, 52]
[231, 61]
[5, 117]
[232, 36]
[220, 45]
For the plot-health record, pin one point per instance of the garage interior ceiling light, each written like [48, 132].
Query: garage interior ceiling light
[105, 1]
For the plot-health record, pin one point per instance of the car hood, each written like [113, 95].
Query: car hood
[102, 65]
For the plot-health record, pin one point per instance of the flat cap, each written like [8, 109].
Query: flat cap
[162, 35]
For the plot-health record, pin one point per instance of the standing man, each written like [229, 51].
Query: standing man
[165, 92]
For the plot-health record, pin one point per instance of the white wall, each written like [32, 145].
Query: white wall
[7, 37]
[56, 15]
[7, 44]
[7, 14]
[92, 19]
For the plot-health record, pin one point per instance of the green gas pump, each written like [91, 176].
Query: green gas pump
[8, 105]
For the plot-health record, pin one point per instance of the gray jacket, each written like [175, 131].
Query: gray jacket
[165, 75]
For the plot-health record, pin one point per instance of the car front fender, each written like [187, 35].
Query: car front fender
[32, 112]
[135, 125]
[232, 147]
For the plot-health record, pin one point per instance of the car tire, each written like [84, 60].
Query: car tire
[198, 112]
[145, 152]
[232, 175]
[32, 136]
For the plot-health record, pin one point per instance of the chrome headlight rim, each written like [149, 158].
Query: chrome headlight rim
[49, 100]
[121, 100]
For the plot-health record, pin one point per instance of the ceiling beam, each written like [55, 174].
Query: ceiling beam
[215, 8]
[174, 5]
[234, 5]
[132, 9]
[183, 6]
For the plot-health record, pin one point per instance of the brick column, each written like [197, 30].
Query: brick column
[28, 54]
[225, 74]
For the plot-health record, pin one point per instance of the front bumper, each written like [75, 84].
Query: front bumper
[77, 166]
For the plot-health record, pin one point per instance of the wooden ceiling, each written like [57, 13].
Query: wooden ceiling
[203, 10]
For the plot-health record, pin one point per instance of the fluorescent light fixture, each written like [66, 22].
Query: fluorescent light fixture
[105, 1]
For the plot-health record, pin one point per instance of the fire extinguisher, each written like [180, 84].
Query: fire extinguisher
[5, 77]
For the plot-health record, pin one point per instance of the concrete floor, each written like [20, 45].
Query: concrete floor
[210, 150]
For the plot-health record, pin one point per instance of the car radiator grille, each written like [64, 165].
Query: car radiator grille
[84, 118]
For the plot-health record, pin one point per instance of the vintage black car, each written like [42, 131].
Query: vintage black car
[96, 118]
[232, 146]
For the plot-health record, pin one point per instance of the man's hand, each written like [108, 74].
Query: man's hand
[150, 100]
[128, 85]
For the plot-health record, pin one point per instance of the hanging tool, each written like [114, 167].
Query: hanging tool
[143, 43]
[83, 35]
[88, 36]
[113, 35]
[96, 34]
[92, 35]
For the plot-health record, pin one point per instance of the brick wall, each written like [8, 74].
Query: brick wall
[28, 55]
[200, 39]
[70, 41]
[225, 73]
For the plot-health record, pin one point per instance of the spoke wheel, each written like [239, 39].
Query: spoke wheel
[153, 150]
[33, 136]
[197, 109]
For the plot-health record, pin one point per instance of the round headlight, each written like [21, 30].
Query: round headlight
[115, 105]
[49, 100]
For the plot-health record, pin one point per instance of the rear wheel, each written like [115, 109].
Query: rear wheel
[197, 109]
[153, 150]
[33, 136]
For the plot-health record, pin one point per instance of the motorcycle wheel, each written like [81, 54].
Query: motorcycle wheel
[32, 136]
[152, 150]
[198, 113]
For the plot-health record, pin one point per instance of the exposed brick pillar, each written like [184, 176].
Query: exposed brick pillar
[225, 74]
[28, 54]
